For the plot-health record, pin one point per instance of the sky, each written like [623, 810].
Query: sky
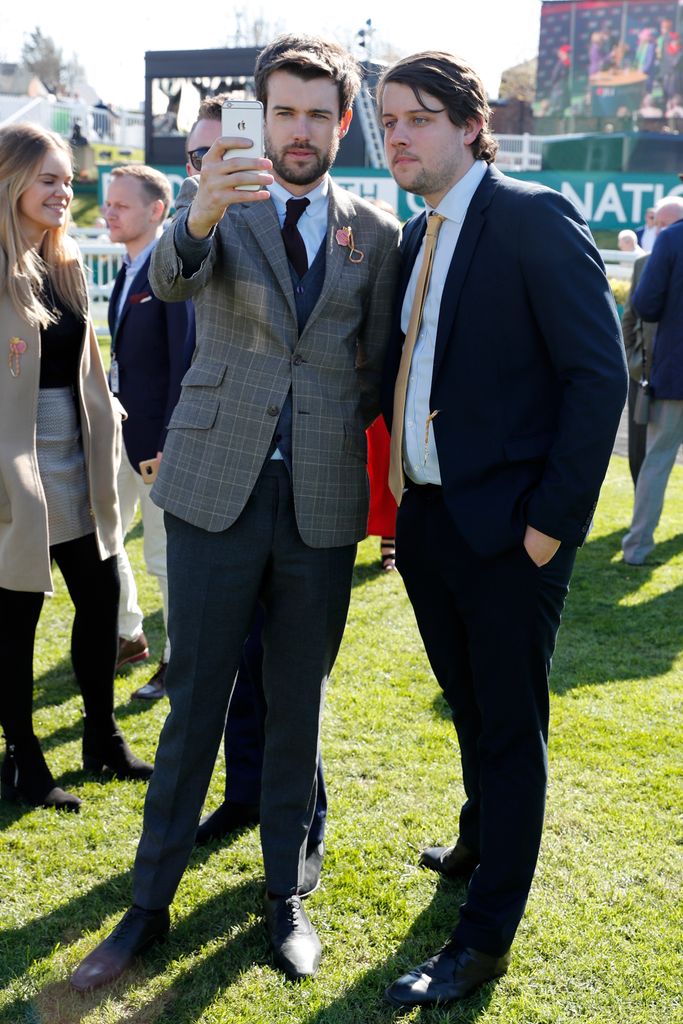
[111, 41]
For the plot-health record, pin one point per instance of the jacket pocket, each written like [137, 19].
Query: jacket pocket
[194, 411]
[207, 374]
[520, 449]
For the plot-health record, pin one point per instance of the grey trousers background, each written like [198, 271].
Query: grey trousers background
[215, 581]
[664, 437]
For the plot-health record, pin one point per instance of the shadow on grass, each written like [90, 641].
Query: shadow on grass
[241, 946]
[185, 999]
[602, 640]
[364, 1000]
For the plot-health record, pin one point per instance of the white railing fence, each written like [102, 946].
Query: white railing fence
[98, 124]
[519, 152]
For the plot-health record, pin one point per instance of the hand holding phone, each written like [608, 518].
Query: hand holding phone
[243, 119]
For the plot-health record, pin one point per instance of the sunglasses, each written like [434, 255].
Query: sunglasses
[195, 156]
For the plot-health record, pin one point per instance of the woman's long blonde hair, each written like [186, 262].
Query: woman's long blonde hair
[23, 148]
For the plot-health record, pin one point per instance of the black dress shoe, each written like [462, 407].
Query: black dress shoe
[227, 818]
[450, 861]
[312, 869]
[137, 930]
[296, 947]
[453, 973]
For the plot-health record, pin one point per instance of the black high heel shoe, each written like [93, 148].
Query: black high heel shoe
[107, 748]
[26, 777]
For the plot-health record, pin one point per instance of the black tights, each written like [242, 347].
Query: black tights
[93, 585]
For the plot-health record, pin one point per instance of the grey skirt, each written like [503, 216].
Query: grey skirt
[62, 465]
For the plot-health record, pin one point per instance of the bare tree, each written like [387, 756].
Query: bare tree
[42, 57]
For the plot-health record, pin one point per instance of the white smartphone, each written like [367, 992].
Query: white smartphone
[243, 118]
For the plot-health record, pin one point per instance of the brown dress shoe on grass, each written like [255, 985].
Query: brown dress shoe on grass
[131, 651]
[137, 930]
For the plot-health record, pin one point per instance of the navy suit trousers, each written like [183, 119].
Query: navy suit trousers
[489, 627]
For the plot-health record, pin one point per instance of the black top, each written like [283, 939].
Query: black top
[60, 343]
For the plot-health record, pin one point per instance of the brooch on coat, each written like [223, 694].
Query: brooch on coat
[17, 347]
[344, 237]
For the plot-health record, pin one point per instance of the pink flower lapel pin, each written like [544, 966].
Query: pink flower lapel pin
[344, 238]
[17, 347]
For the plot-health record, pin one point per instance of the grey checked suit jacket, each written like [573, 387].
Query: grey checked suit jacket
[249, 354]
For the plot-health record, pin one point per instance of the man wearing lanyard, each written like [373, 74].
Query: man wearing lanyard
[151, 349]
[503, 388]
[263, 479]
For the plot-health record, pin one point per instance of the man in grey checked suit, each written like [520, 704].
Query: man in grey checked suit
[263, 479]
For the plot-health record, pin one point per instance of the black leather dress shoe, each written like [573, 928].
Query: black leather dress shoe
[137, 930]
[227, 818]
[453, 973]
[312, 869]
[450, 861]
[296, 947]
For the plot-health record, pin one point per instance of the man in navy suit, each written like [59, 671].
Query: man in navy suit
[151, 349]
[659, 297]
[501, 437]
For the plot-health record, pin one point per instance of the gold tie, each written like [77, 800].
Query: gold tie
[396, 476]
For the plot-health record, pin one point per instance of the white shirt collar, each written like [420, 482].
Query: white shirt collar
[454, 204]
[132, 266]
[280, 195]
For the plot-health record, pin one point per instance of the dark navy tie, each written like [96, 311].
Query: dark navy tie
[294, 243]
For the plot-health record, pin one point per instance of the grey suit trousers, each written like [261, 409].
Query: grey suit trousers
[215, 582]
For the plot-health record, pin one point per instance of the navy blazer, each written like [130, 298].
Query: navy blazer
[529, 371]
[153, 343]
[659, 297]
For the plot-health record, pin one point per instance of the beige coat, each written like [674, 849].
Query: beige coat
[24, 552]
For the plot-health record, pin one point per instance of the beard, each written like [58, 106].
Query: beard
[308, 174]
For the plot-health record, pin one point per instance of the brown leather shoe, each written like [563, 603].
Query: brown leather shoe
[453, 973]
[450, 861]
[131, 651]
[137, 930]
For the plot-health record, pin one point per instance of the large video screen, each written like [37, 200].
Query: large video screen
[610, 58]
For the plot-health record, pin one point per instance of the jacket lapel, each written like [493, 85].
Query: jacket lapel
[262, 221]
[462, 257]
[140, 283]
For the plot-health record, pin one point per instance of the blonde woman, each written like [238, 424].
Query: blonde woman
[59, 446]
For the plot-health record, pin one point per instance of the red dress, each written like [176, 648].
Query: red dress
[382, 517]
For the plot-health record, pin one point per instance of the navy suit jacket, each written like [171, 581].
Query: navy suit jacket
[153, 344]
[529, 371]
[659, 297]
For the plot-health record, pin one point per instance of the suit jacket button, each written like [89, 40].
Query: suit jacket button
[297, 360]
[273, 410]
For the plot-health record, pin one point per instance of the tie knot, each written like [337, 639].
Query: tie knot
[434, 222]
[295, 208]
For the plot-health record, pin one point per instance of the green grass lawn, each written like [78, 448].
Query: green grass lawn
[601, 940]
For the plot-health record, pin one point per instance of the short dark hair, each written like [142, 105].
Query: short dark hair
[209, 110]
[455, 84]
[309, 57]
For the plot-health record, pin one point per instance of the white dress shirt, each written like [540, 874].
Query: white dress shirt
[420, 458]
